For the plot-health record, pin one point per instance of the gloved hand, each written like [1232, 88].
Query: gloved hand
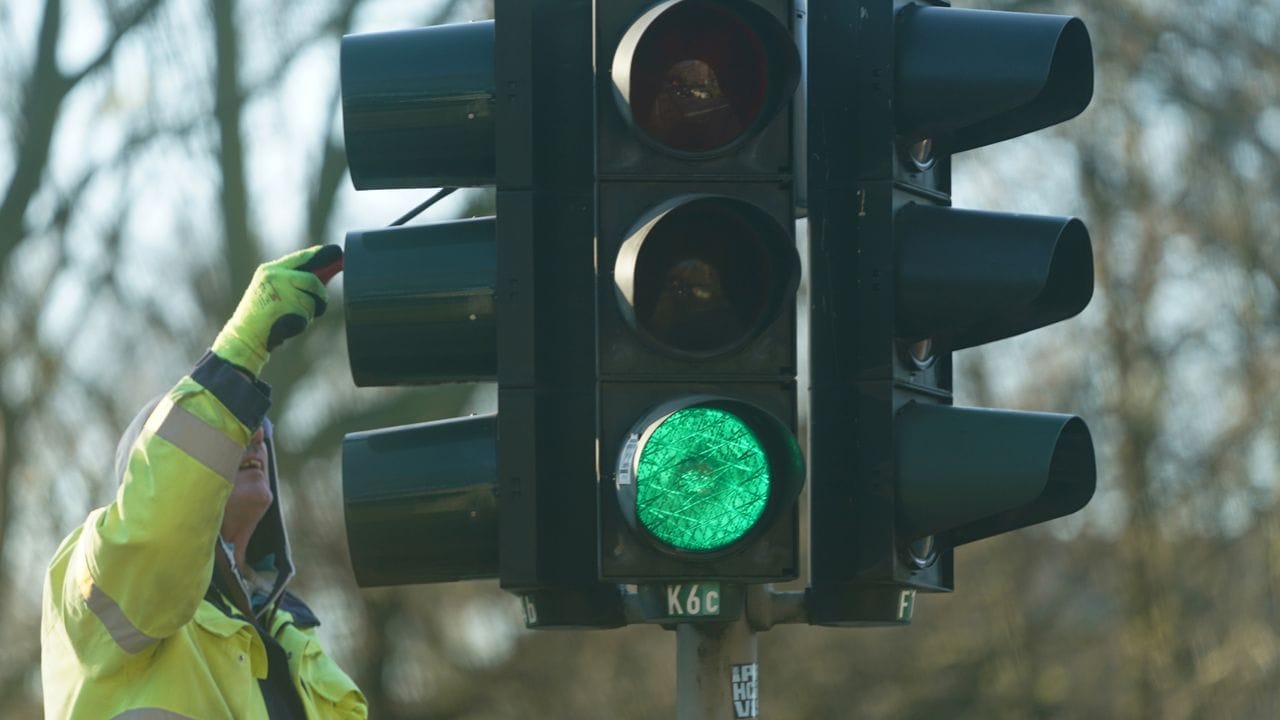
[282, 298]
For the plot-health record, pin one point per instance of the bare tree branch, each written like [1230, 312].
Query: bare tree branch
[45, 90]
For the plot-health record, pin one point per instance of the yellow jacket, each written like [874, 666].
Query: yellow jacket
[135, 624]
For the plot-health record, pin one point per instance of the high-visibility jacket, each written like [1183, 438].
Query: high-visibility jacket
[132, 626]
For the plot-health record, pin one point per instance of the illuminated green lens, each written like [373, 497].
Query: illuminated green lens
[702, 480]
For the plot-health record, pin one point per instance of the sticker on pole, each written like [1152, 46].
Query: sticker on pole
[746, 702]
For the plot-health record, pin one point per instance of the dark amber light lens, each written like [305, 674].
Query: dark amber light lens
[706, 275]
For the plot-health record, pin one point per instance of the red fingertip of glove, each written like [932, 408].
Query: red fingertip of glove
[327, 272]
[326, 263]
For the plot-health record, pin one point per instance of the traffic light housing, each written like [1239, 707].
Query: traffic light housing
[634, 297]
[696, 273]
[900, 280]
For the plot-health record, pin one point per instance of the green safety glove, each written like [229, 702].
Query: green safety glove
[282, 298]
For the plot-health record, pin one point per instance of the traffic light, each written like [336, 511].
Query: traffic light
[694, 303]
[510, 495]
[420, 304]
[900, 280]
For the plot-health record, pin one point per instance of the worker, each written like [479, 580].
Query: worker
[171, 601]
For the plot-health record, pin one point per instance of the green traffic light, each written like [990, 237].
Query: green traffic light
[702, 480]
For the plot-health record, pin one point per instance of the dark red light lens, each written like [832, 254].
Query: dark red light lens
[699, 77]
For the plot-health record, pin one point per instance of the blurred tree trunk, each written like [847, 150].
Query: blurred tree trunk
[242, 252]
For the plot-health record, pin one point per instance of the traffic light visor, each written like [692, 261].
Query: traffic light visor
[968, 277]
[700, 475]
[421, 303]
[417, 106]
[421, 502]
[701, 276]
[969, 473]
[695, 76]
[969, 78]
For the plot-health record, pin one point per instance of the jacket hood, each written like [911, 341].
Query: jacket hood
[268, 552]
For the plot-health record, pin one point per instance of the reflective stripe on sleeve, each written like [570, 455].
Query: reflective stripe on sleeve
[197, 438]
[149, 714]
[125, 633]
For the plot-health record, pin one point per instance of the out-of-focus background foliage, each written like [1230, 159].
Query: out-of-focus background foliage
[154, 151]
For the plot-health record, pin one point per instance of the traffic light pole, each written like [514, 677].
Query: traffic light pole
[716, 671]
[717, 663]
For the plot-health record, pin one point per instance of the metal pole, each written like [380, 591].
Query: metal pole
[716, 671]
